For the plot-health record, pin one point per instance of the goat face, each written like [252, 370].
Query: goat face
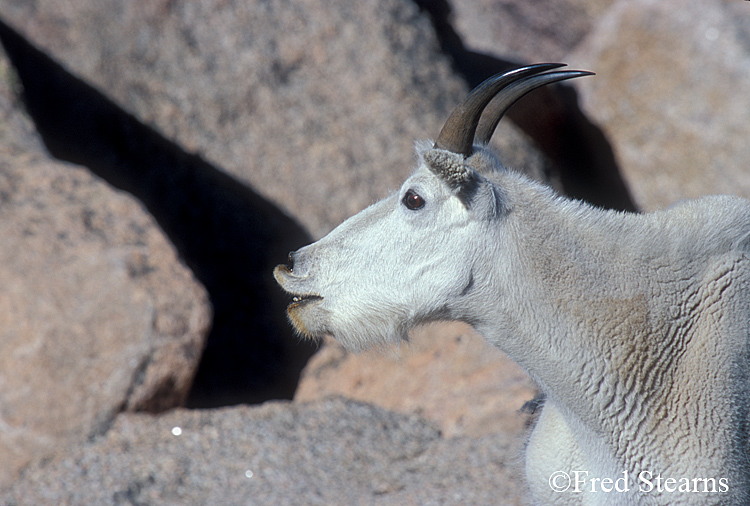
[416, 255]
[404, 260]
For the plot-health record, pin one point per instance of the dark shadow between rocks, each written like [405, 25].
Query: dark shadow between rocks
[230, 236]
[583, 156]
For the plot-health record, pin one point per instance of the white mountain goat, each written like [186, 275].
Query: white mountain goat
[634, 326]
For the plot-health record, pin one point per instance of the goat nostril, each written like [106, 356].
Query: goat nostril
[290, 262]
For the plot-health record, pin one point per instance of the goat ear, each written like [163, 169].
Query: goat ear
[450, 167]
[474, 190]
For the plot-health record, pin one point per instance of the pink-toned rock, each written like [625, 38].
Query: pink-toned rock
[322, 126]
[446, 373]
[97, 314]
[672, 92]
[524, 31]
[313, 103]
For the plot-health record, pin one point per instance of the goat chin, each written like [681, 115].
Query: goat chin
[636, 327]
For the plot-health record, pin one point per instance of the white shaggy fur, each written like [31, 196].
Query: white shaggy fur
[635, 326]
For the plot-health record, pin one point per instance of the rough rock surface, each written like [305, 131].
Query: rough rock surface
[521, 30]
[316, 106]
[334, 453]
[97, 315]
[447, 373]
[672, 92]
[309, 101]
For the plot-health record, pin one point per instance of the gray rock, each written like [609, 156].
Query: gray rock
[333, 452]
[97, 314]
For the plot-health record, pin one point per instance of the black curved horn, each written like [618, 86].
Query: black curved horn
[457, 134]
[497, 107]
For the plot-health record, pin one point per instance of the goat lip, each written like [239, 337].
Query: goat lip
[301, 300]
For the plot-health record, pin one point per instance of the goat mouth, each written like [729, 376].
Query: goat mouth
[301, 300]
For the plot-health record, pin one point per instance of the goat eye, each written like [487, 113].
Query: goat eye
[413, 201]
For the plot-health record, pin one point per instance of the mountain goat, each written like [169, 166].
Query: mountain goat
[634, 326]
